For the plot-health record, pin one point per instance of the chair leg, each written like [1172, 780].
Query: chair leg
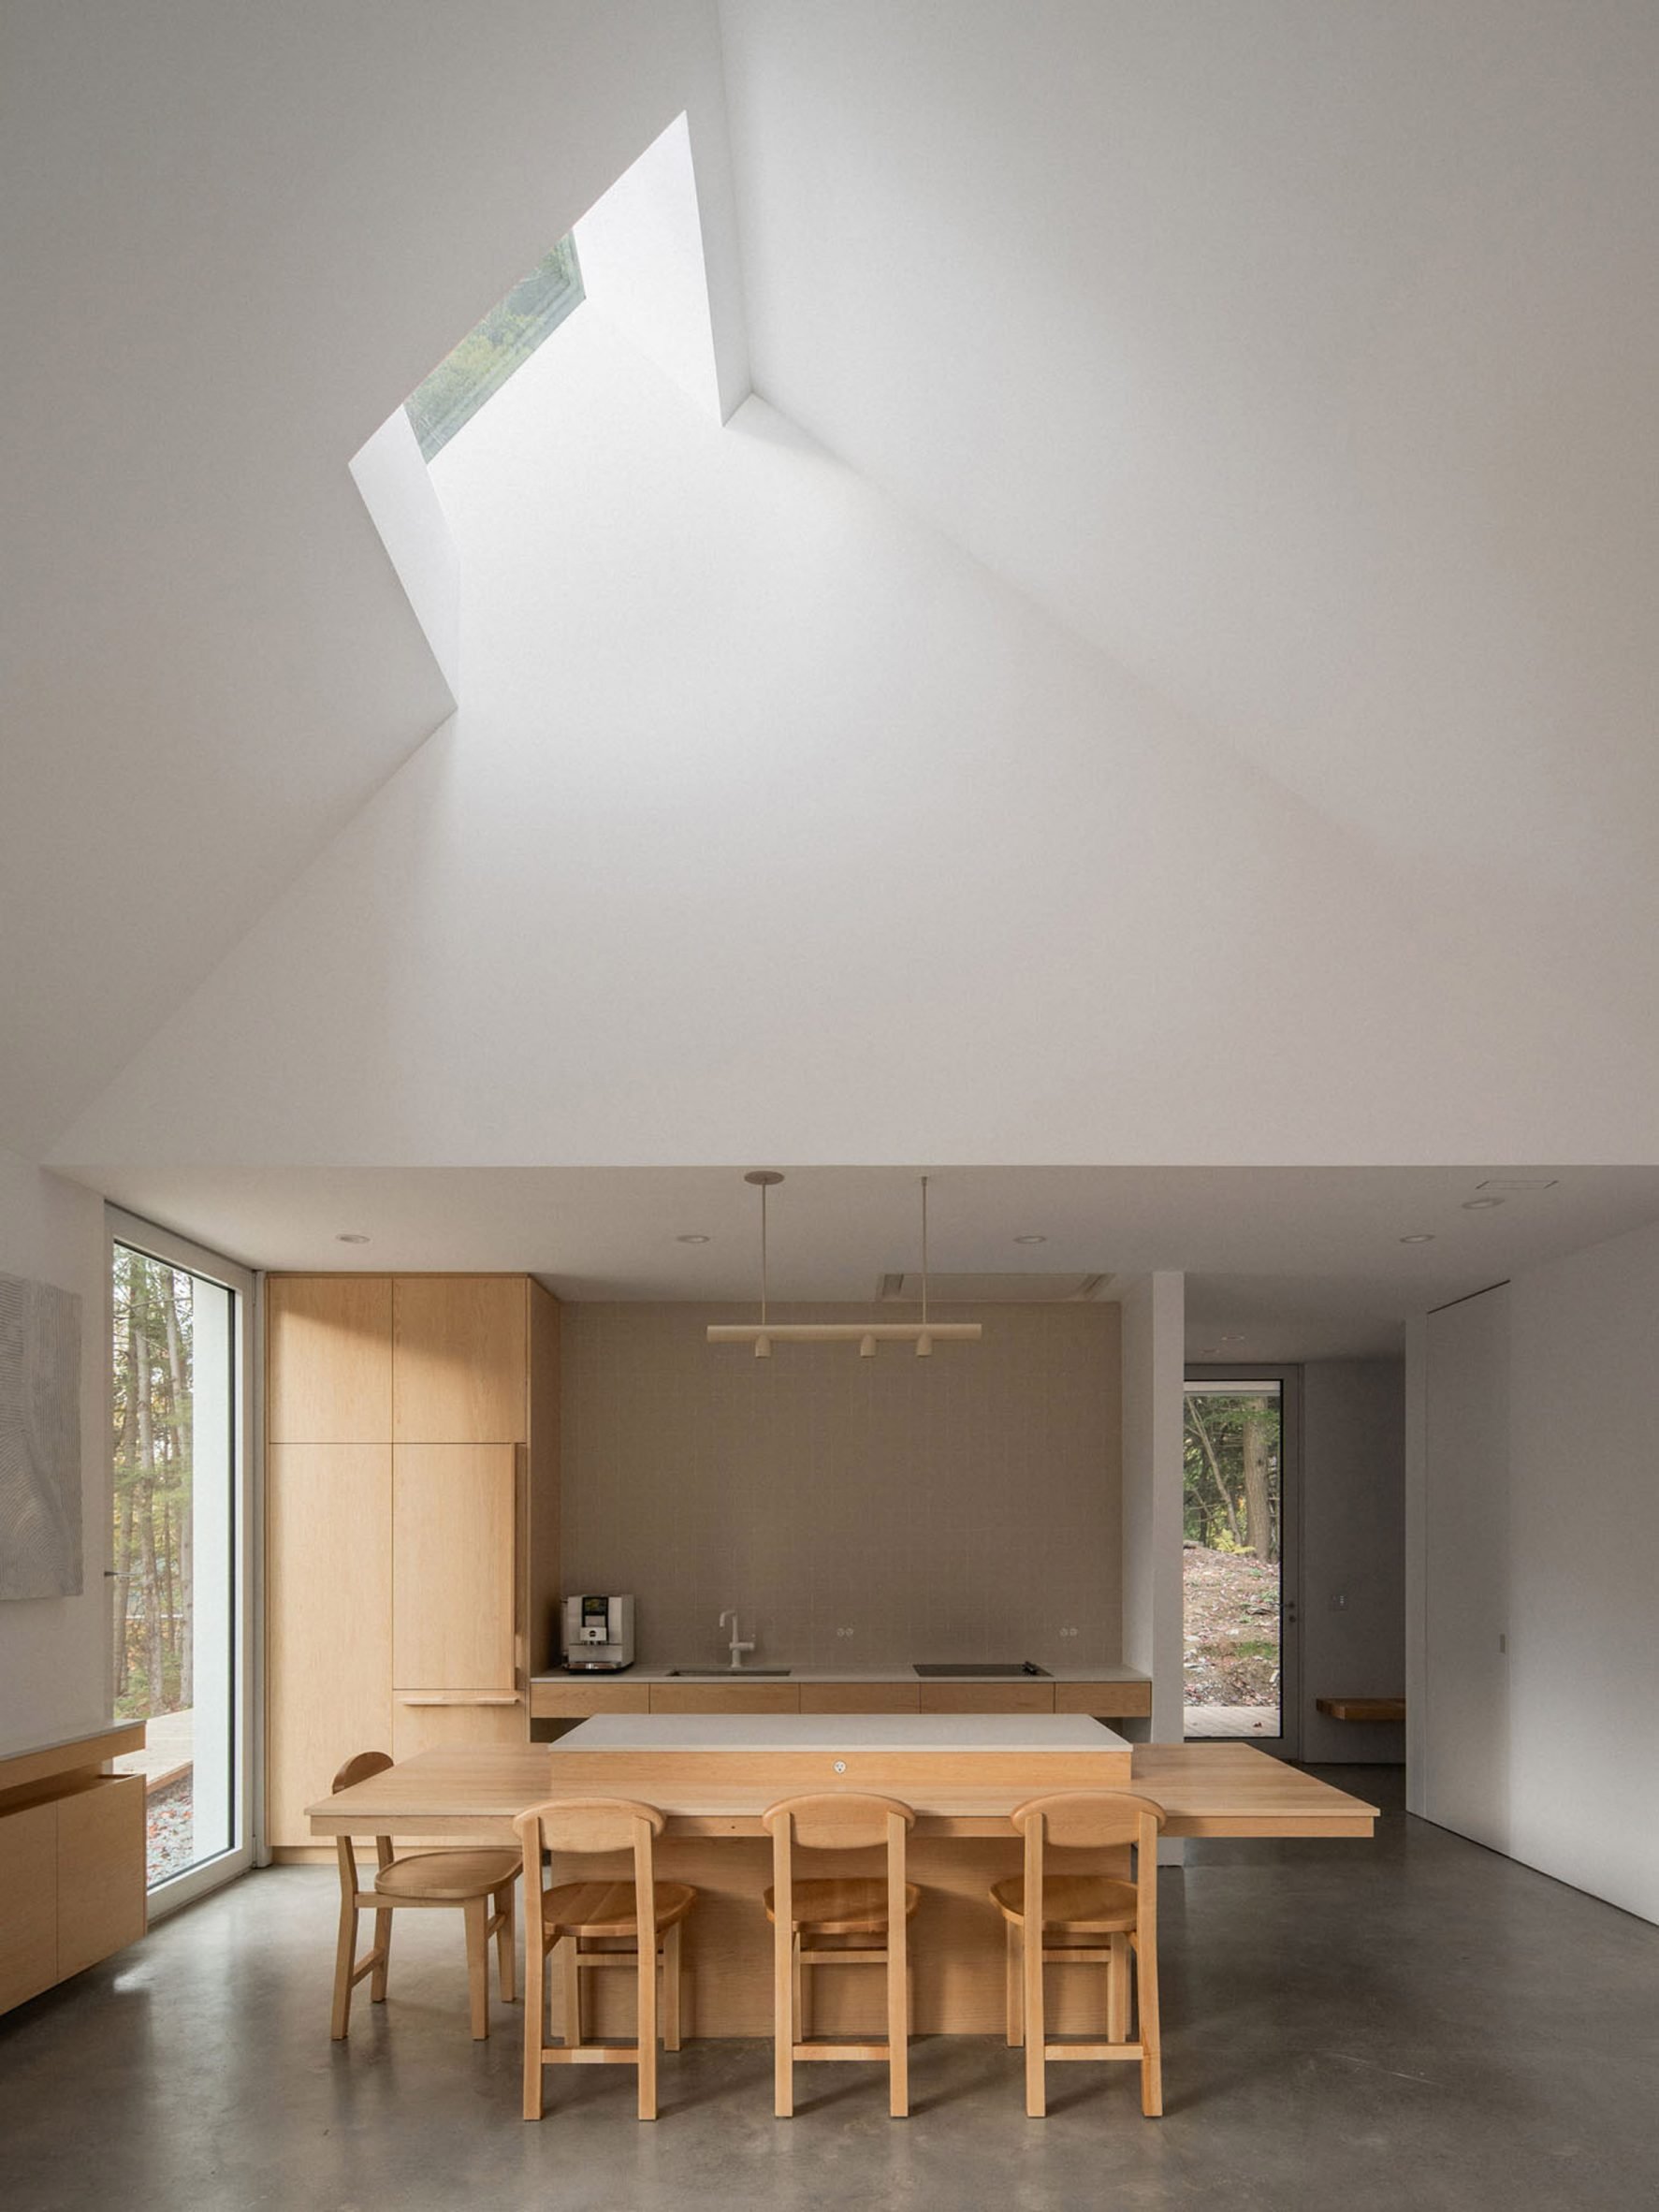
[645, 2033]
[1036, 2025]
[535, 2018]
[671, 1989]
[475, 1912]
[1152, 2064]
[345, 1956]
[784, 2021]
[898, 2022]
[506, 1938]
[571, 1981]
[1117, 1990]
[382, 1944]
[1016, 2031]
[799, 2017]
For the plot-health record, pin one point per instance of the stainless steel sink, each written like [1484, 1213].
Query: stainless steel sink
[729, 1674]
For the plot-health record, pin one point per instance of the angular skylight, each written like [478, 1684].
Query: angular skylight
[488, 355]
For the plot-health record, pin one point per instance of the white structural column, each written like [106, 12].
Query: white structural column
[1154, 1375]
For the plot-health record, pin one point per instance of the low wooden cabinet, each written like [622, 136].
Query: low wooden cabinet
[72, 1872]
[578, 1699]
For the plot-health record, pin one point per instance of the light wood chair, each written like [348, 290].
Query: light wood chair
[562, 1918]
[1097, 1918]
[809, 1917]
[469, 1881]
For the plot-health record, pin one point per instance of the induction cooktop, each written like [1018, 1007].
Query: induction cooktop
[1014, 1666]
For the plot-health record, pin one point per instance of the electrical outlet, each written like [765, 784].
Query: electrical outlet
[1068, 1632]
[846, 1632]
[1339, 1604]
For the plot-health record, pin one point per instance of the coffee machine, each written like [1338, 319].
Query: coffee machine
[598, 1634]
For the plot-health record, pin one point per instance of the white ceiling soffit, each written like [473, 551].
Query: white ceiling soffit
[1307, 1261]
[988, 1286]
[211, 664]
[1301, 357]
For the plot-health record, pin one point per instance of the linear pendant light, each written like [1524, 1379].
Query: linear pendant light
[924, 1334]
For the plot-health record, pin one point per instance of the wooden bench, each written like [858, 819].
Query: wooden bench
[1361, 1708]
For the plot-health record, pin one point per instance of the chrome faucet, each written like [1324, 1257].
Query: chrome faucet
[739, 1645]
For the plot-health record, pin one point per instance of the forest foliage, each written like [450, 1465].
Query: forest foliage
[153, 1472]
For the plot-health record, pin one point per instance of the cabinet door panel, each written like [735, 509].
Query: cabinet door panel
[578, 1701]
[451, 1727]
[459, 1359]
[860, 1697]
[1032, 1697]
[1105, 1701]
[329, 1619]
[453, 1515]
[718, 1697]
[28, 1903]
[328, 1375]
[100, 1870]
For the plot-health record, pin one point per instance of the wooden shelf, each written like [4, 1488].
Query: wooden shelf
[1361, 1708]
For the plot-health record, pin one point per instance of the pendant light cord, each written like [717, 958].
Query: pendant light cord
[763, 1255]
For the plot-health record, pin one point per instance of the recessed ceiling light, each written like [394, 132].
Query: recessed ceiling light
[691, 1239]
[1480, 1205]
[351, 1236]
[1417, 1239]
[1031, 1239]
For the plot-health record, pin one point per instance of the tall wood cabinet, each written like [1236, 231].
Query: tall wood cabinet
[411, 1436]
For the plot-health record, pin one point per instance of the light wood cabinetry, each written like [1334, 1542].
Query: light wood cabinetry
[100, 1870]
[454, 1561]
[28, 1883]
[329, 1610]
[71, 1860]
[725, 1697]
[329, 1370]
[580, 1701]
[577, 1699]
[860, 1697]
[1025, 1696]
[412, 1559]
[1105, 1701]
[459, 1364]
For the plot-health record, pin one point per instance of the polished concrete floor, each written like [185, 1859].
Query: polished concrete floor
[1404, 2026]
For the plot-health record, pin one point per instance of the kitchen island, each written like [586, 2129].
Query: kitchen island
[714, 1777]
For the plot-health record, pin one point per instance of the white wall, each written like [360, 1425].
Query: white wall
[1538, 1500]
[55, 1651]
[773, 825]
[1353, 1547]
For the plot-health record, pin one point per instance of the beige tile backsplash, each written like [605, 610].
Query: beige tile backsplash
[964, 1506]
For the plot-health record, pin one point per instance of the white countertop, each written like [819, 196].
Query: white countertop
[857, 1731]
[715, 1672]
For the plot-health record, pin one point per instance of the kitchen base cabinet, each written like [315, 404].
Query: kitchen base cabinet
[72, 1872]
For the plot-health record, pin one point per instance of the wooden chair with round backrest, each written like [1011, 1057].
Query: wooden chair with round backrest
[1094, 1917]
[562, 1918]
[468, 1881]
[810, 1916]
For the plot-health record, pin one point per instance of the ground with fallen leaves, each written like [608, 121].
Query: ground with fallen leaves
[1232, 1628]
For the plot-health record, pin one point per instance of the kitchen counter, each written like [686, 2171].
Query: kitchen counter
[903, 1731]
[903, 1673]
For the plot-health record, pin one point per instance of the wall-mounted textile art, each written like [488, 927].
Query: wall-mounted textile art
[39, 1440]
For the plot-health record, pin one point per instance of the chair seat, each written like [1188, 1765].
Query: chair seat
[608, 1908]
[453, 1876]
[849, 1907]
[1074, 1904]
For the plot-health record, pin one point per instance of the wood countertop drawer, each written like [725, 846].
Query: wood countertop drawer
[579, 1701]
[1106, 1701]
[725, 1697]
[1031, 1695]
[861, 1697]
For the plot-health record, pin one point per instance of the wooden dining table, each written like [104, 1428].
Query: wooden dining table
[713, 1838]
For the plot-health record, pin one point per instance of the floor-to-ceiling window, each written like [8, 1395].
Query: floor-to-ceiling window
[180, 1642]
[1238, 1558]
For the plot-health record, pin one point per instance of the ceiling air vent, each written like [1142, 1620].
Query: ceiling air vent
[991, 1290]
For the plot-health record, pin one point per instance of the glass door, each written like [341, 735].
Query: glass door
[1239, 1557]
[180, 1618]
